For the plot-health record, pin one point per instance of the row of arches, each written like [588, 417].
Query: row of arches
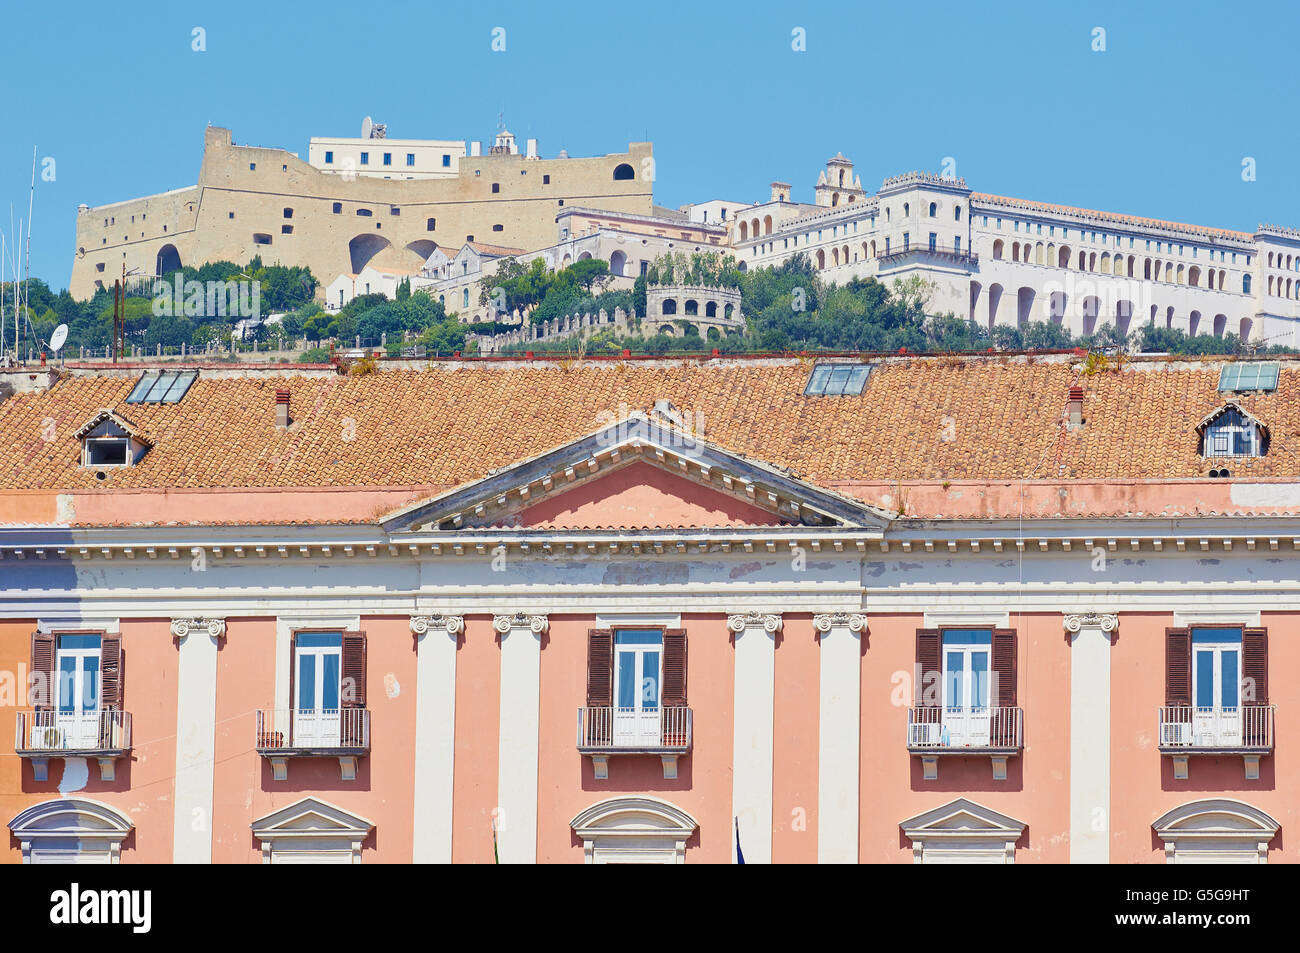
[691, 308]
[753, 228]
[688, 329]
[1092, 312]
[1287, 263]
[1107, 264]
[1288, 289]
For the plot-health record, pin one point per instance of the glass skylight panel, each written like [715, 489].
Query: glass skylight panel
[161, 387]
[142, 388]
[1249, 376]
[835, 380]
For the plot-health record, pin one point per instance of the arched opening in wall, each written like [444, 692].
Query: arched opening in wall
[669, 306]
[617, 263]
[1091, 307]
[744, 231]
[168, 261]
[1245, 284]
[1194, 276]
[1194, 324]
[1024, 306]
[753, 228]
[692, 307]
[742, 267]
[835, 256]
[1220, 324]
[956, 213]
[711, 309]
[767, 225]
[997, 249]
[1015, 251]
[873, 249]
[1169, 271]
[907, 210]
[623, 171]
[841, 176]
[713, 334]
[690, 331]
[423, 247]
[1155, 309]
[934, 209]
[835, 199]
[844, 255]
[1169, 316]
[1132, 265]
[726, 311]
[1244, 329]
[1178, 277]
[585, 256]
[1092, 261]
[1123, 316]
[995, 298]
[1063, 257]
[1146, 270]
[867, 252]
[1105, 263]
[1083, 261]
[1056, 307]
[668, 330]
[975, 287]
[1039, 252]
[568, 260]
[363, 248]
[821, 259]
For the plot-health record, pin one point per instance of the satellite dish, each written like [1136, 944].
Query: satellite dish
[58, 337]
[366, 127]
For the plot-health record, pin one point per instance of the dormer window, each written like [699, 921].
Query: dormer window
[1231, 432]
[109, 440]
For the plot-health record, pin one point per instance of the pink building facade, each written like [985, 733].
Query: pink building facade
[643, 640]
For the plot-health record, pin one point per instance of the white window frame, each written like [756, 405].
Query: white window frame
[963, 832]
[311, 831]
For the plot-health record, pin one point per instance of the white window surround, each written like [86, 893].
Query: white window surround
[71, 831]
[1216, 831]
[963, 832]
[1186, 618]
[311, 831]
[968, 619]
[635, 620]
[634, 830]
[54, 626]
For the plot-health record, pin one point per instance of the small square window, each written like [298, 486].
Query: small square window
[108, 452]
[446, 161]
[394, 210]
[430, 224]
[329, 158]
[252, 167]
[496, 187]
[230, 215]
[388, 158]
[338, 207]
[546, 180]
[286, 229]
[288, 213]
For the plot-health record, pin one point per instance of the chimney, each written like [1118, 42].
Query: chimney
[1074, 407]
[282, 408]
[532, 148]
[475, 148]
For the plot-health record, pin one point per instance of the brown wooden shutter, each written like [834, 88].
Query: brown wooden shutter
[674, 679]
[293, 671]
[354, 670]
[928, 647]
[110, 672]
[42, 688]
[1006, 665]
[600, 668]
[1178, 666]
[1254, 664]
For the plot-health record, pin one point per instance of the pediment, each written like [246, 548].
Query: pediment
[78, 817]
[962, 818]
[633, 817]
[639, 471]
[1216, 817]
[311, 817]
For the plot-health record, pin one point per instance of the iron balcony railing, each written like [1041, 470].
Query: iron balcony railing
[614, 729]
[961, 256]
[322, 729]
[956, 729]
[1192, 727]
[46, 732]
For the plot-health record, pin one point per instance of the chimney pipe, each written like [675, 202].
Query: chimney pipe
[282, 408]
[1074, 407]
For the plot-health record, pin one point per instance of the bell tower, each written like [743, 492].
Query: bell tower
[837, 185]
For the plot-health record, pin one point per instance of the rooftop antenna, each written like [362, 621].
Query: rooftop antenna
[27, 269]
[367, 126]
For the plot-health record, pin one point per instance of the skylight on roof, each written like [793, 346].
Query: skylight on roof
[161, 387]
[1250, 376]
[831, 380]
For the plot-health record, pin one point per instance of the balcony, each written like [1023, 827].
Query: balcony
[934, 732]
[605, 732]
[941, 254]
[1187, 731]
[284, 733]
[102, 735]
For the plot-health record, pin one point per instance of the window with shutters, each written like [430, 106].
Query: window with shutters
[77, 701]
[966, 696]
[327, 714]
[636, 696]
[1216, 695]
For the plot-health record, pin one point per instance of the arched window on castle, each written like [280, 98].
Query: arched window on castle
[1245, 284]
[934, 209]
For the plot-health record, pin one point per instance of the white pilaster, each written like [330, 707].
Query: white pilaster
[839, 736]
[521, 669]
[196, 737]
[435, 735]
[1090, 635]
[754, 714]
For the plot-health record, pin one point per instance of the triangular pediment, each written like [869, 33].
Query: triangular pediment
[962, 817]
[311, 817]
[641, 471]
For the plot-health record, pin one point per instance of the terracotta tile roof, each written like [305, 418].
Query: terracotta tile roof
[1116, 217]
[500, 251]
[919, 419]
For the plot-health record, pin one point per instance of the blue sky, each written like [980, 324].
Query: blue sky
[1157, 125]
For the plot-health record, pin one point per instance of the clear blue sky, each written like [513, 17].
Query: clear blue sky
[1156, 125]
